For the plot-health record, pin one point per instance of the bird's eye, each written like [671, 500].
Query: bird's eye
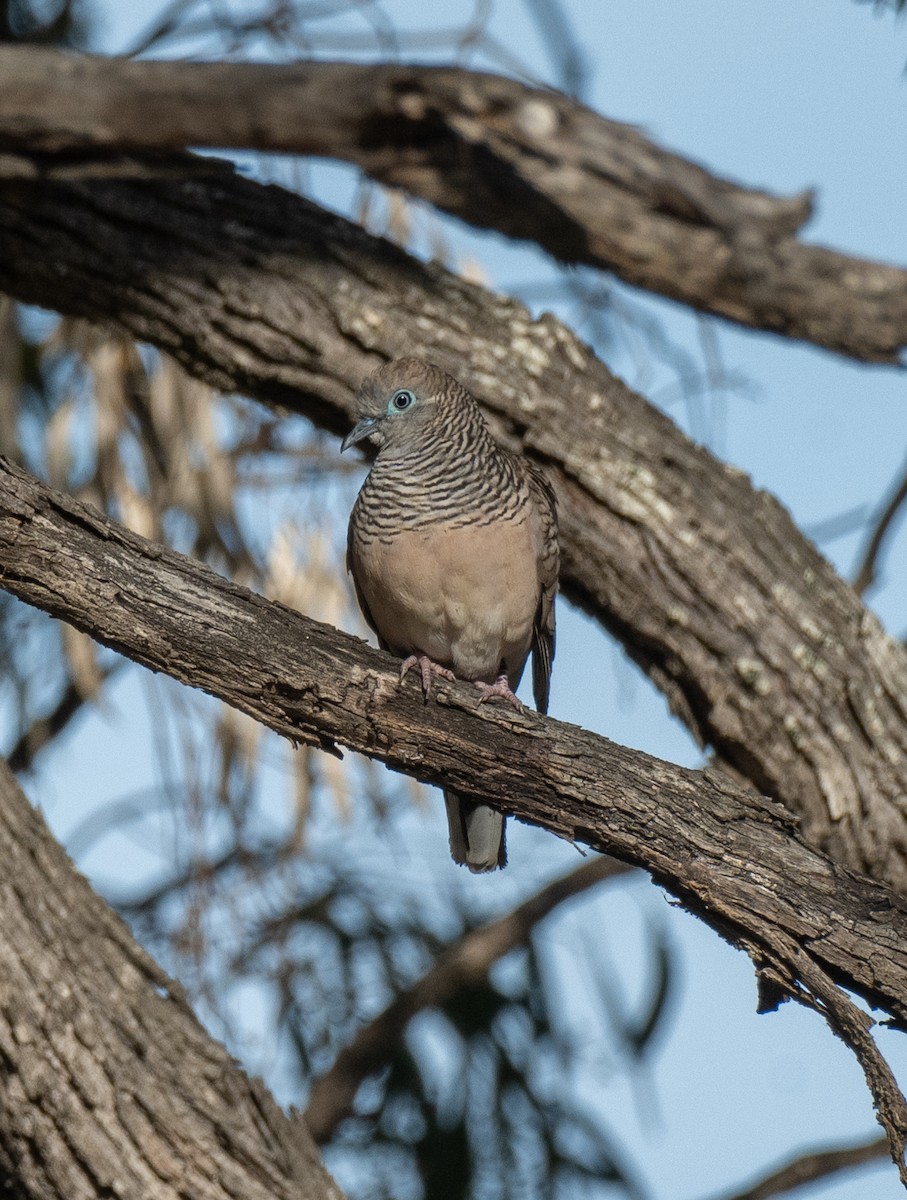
[402, 399]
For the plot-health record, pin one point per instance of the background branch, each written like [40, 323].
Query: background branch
[869, 562]
[528, 162]
[808, 1168]
[462, 965]
[42, 731]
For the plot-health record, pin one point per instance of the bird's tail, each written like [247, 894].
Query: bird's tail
[477, 836]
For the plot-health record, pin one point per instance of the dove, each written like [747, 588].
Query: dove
[453, 551]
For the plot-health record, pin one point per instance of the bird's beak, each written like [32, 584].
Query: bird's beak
[358, 433]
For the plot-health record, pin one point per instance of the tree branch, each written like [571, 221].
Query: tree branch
[729, 856]
[807, 1168]
[762, 650]
[528, 162]
[866, 573]
[109, 1084]
[464, 964]
[42, 731]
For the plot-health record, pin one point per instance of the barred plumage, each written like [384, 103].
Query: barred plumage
[453, 550]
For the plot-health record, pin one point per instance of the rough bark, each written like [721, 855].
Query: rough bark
[108, 1084]
[734, 858]
[762, 650]
[526, 161]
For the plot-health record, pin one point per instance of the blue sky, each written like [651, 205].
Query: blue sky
[780, 95]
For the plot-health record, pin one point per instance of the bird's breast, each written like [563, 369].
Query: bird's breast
[466, 596]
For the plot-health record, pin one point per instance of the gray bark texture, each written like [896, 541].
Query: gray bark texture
[526, 161]
[734, 858]
[766, 654]
[109, 1086]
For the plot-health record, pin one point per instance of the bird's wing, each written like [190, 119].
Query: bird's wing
[548, 565]
[363, 603]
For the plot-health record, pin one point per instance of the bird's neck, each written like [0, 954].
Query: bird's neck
[444, 481]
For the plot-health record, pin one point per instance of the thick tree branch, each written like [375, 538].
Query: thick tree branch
[730, 856]
[528, 162]
[766, 654]
[464, 964]
[109, 1086]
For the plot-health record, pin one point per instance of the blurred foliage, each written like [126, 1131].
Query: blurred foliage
[129, 432]
[881, 6]
[47, 23]
[480, 1098]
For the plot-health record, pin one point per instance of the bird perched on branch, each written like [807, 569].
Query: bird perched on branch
[453, 551]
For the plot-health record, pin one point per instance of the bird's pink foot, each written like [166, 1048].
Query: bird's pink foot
[427, 668]
[499, 690]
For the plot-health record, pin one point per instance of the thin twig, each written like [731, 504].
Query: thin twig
[868, 570]
[807, 1168]
[44, 729]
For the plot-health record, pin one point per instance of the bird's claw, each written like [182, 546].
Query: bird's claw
[427, 668]
[499, 690]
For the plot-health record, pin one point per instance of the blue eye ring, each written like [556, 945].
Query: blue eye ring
[402, 400]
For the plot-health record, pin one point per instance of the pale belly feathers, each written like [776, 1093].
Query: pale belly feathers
[462, 596]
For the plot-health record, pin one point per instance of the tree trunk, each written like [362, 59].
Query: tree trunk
[108, 1084]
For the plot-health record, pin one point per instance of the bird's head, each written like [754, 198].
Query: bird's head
[404, 403]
